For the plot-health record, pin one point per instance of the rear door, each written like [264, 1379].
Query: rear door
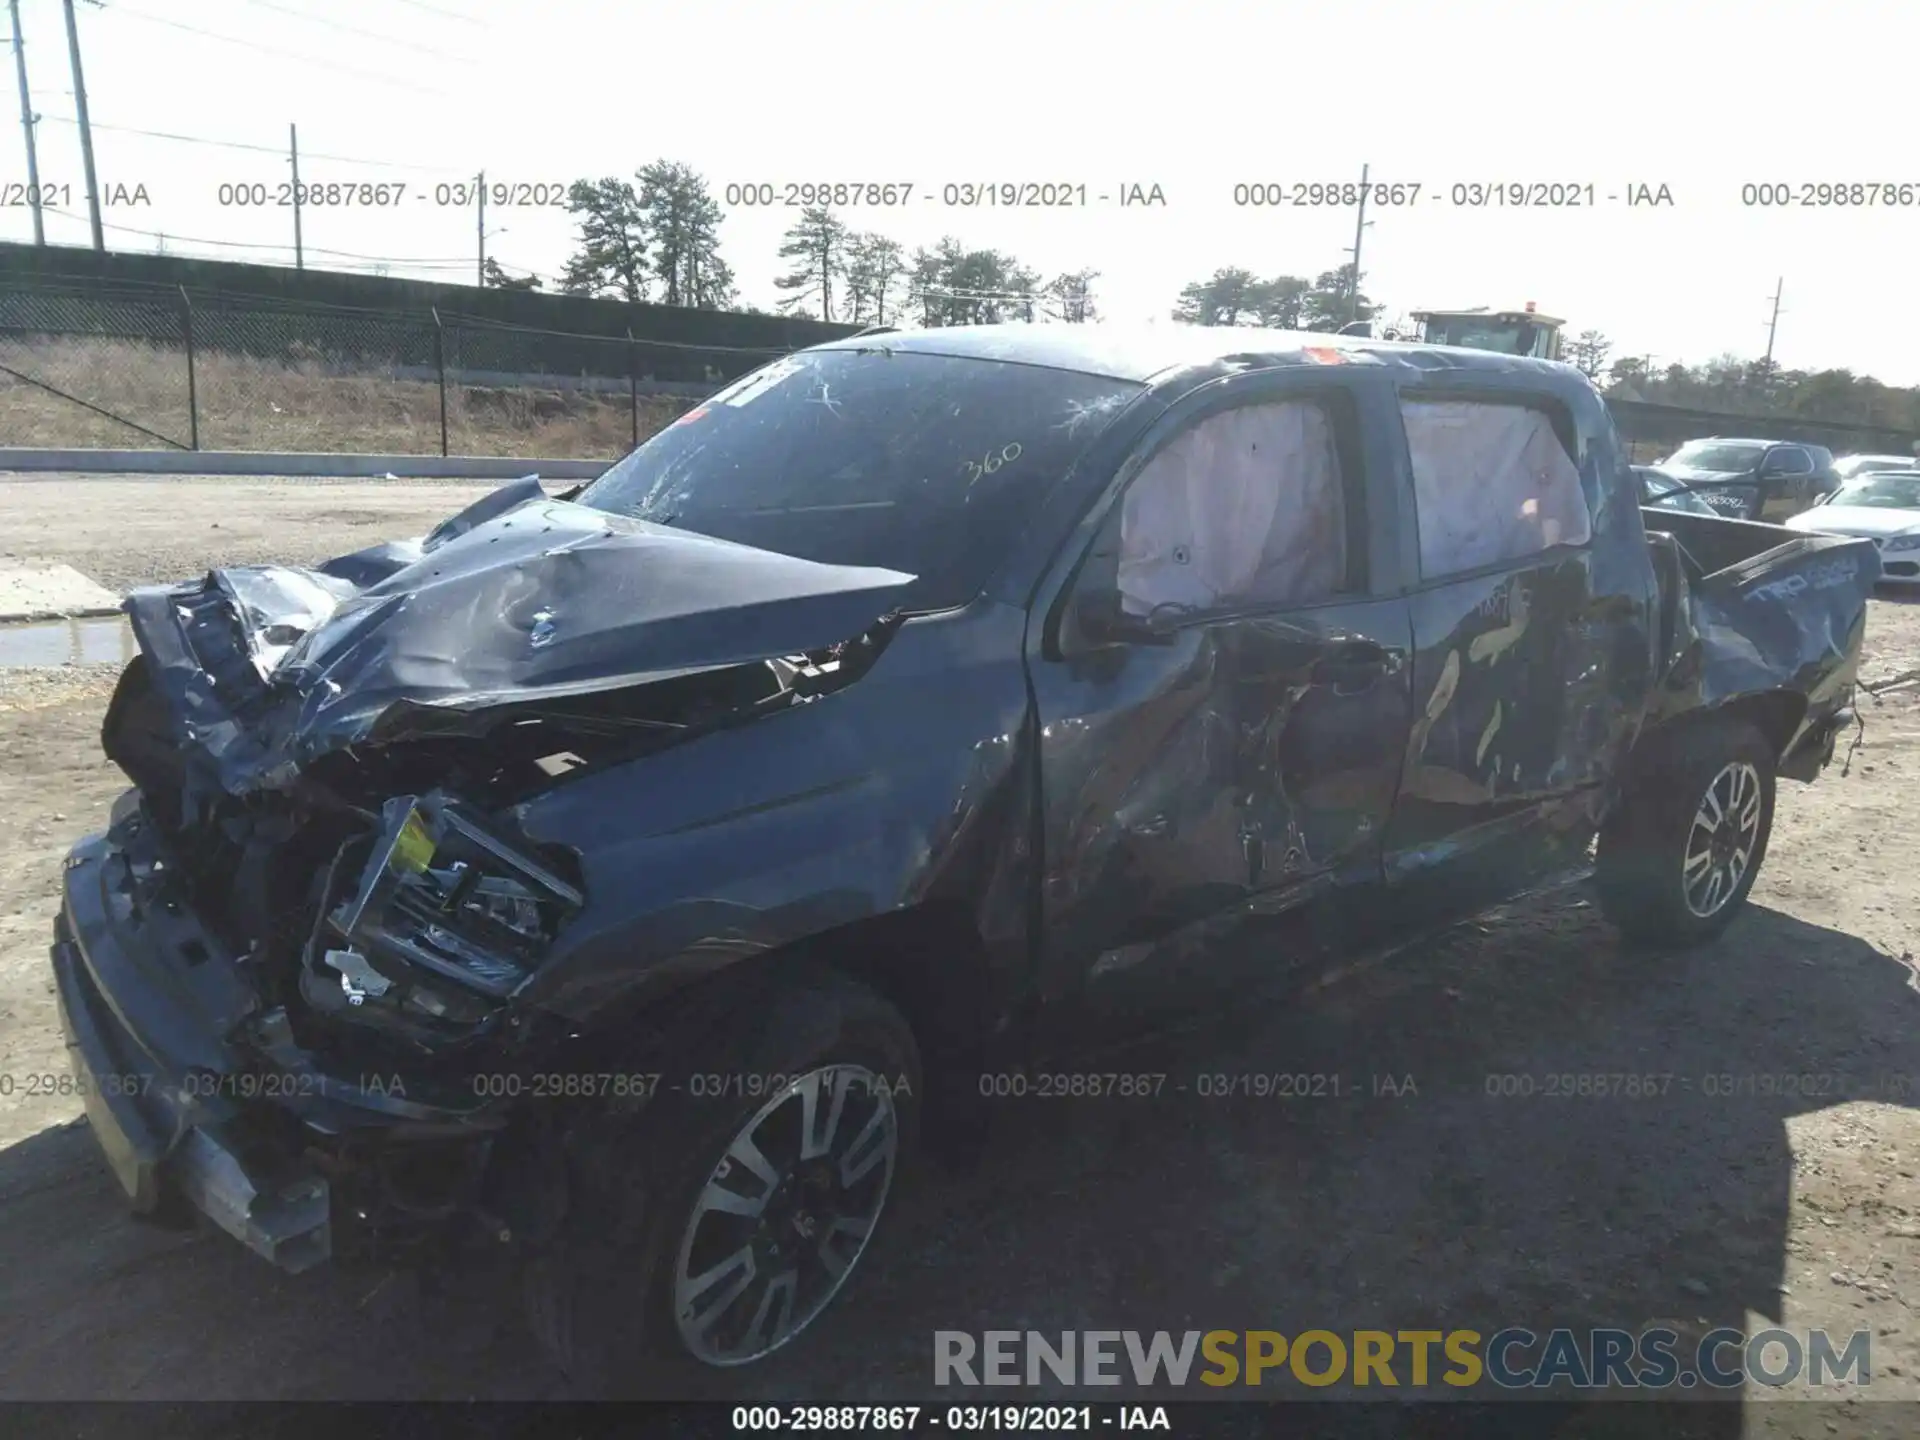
[1245, 757]
[1521, 685]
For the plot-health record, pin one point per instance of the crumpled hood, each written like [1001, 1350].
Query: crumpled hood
[518, 598]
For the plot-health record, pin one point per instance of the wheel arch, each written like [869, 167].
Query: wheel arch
[1775, 714]
[927, 960]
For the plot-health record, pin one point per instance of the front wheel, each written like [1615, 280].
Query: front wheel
[718, 1223]
[785, 1214]
[1681, 852]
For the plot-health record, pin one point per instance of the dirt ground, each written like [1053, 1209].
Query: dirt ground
[1444, 1207]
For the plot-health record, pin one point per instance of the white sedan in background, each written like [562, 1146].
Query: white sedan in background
[1882, 505]
[1858, 467]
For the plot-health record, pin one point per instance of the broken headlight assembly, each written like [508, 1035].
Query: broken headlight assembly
[446, 922]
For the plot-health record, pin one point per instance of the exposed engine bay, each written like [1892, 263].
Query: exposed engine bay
[323, 891]
[418, 913]
[331, 757]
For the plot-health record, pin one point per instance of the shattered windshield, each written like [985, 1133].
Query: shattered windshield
[927, 464]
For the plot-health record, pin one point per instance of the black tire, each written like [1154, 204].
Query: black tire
[604, 1301]
[1646, 846]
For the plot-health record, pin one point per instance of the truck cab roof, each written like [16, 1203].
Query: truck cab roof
[1149, 354]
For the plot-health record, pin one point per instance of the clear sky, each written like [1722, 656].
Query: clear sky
[1702, 97]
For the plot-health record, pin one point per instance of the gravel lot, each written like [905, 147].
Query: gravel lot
[1442, 1208]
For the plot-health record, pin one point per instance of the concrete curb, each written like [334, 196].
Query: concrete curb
[264, 462]
[52, 592]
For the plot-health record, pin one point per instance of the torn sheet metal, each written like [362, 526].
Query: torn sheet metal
[1765, 609]
[518, 598]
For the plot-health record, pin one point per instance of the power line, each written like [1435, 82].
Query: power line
[279, 150]
[356, 30]
[120, 9]
[460, 260]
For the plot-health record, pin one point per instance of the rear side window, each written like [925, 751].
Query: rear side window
[1492, 483]
[1244, 508]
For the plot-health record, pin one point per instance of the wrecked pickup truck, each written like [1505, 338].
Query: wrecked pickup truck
[622, 881]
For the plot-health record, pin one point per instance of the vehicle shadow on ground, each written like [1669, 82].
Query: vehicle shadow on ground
[1453, 1204]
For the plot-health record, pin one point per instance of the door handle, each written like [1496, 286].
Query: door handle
[1354, 663]
[1347, 652]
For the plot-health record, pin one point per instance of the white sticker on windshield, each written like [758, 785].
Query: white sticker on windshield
[757, 384]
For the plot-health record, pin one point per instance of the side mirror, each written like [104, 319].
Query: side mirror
[1099, 617]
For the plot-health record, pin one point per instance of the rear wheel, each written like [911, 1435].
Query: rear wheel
[1683, 849]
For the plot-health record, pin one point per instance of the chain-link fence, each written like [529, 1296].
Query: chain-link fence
[160, 368]
[144, 366]
[93, 371]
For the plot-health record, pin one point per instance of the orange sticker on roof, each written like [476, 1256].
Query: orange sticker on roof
[699, 412]
[1324, 355]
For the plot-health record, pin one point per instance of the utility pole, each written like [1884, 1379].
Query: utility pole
[480, 190]
[26, 124]
[293, 151]
[86, 129]
[1359, 233]
[1779, 286]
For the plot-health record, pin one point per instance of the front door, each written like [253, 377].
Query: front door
[1230, 740]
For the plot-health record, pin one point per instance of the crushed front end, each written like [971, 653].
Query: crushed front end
[293, 971]
[200, 1084]
[291, 1013]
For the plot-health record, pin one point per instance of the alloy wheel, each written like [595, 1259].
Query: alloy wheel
[1721, 840]
[785, 1215]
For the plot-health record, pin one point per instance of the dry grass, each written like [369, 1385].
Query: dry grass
[250, 404]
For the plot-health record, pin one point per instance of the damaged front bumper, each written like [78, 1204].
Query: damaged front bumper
[253, 1134]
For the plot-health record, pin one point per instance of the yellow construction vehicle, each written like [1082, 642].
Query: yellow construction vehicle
[1511, 332]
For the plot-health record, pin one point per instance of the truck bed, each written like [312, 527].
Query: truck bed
[1713, 545]
[1750, 609]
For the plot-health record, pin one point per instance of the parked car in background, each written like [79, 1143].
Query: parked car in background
[1661, 491]
[1753, 479]
[1883, 506]
[1852, 467]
